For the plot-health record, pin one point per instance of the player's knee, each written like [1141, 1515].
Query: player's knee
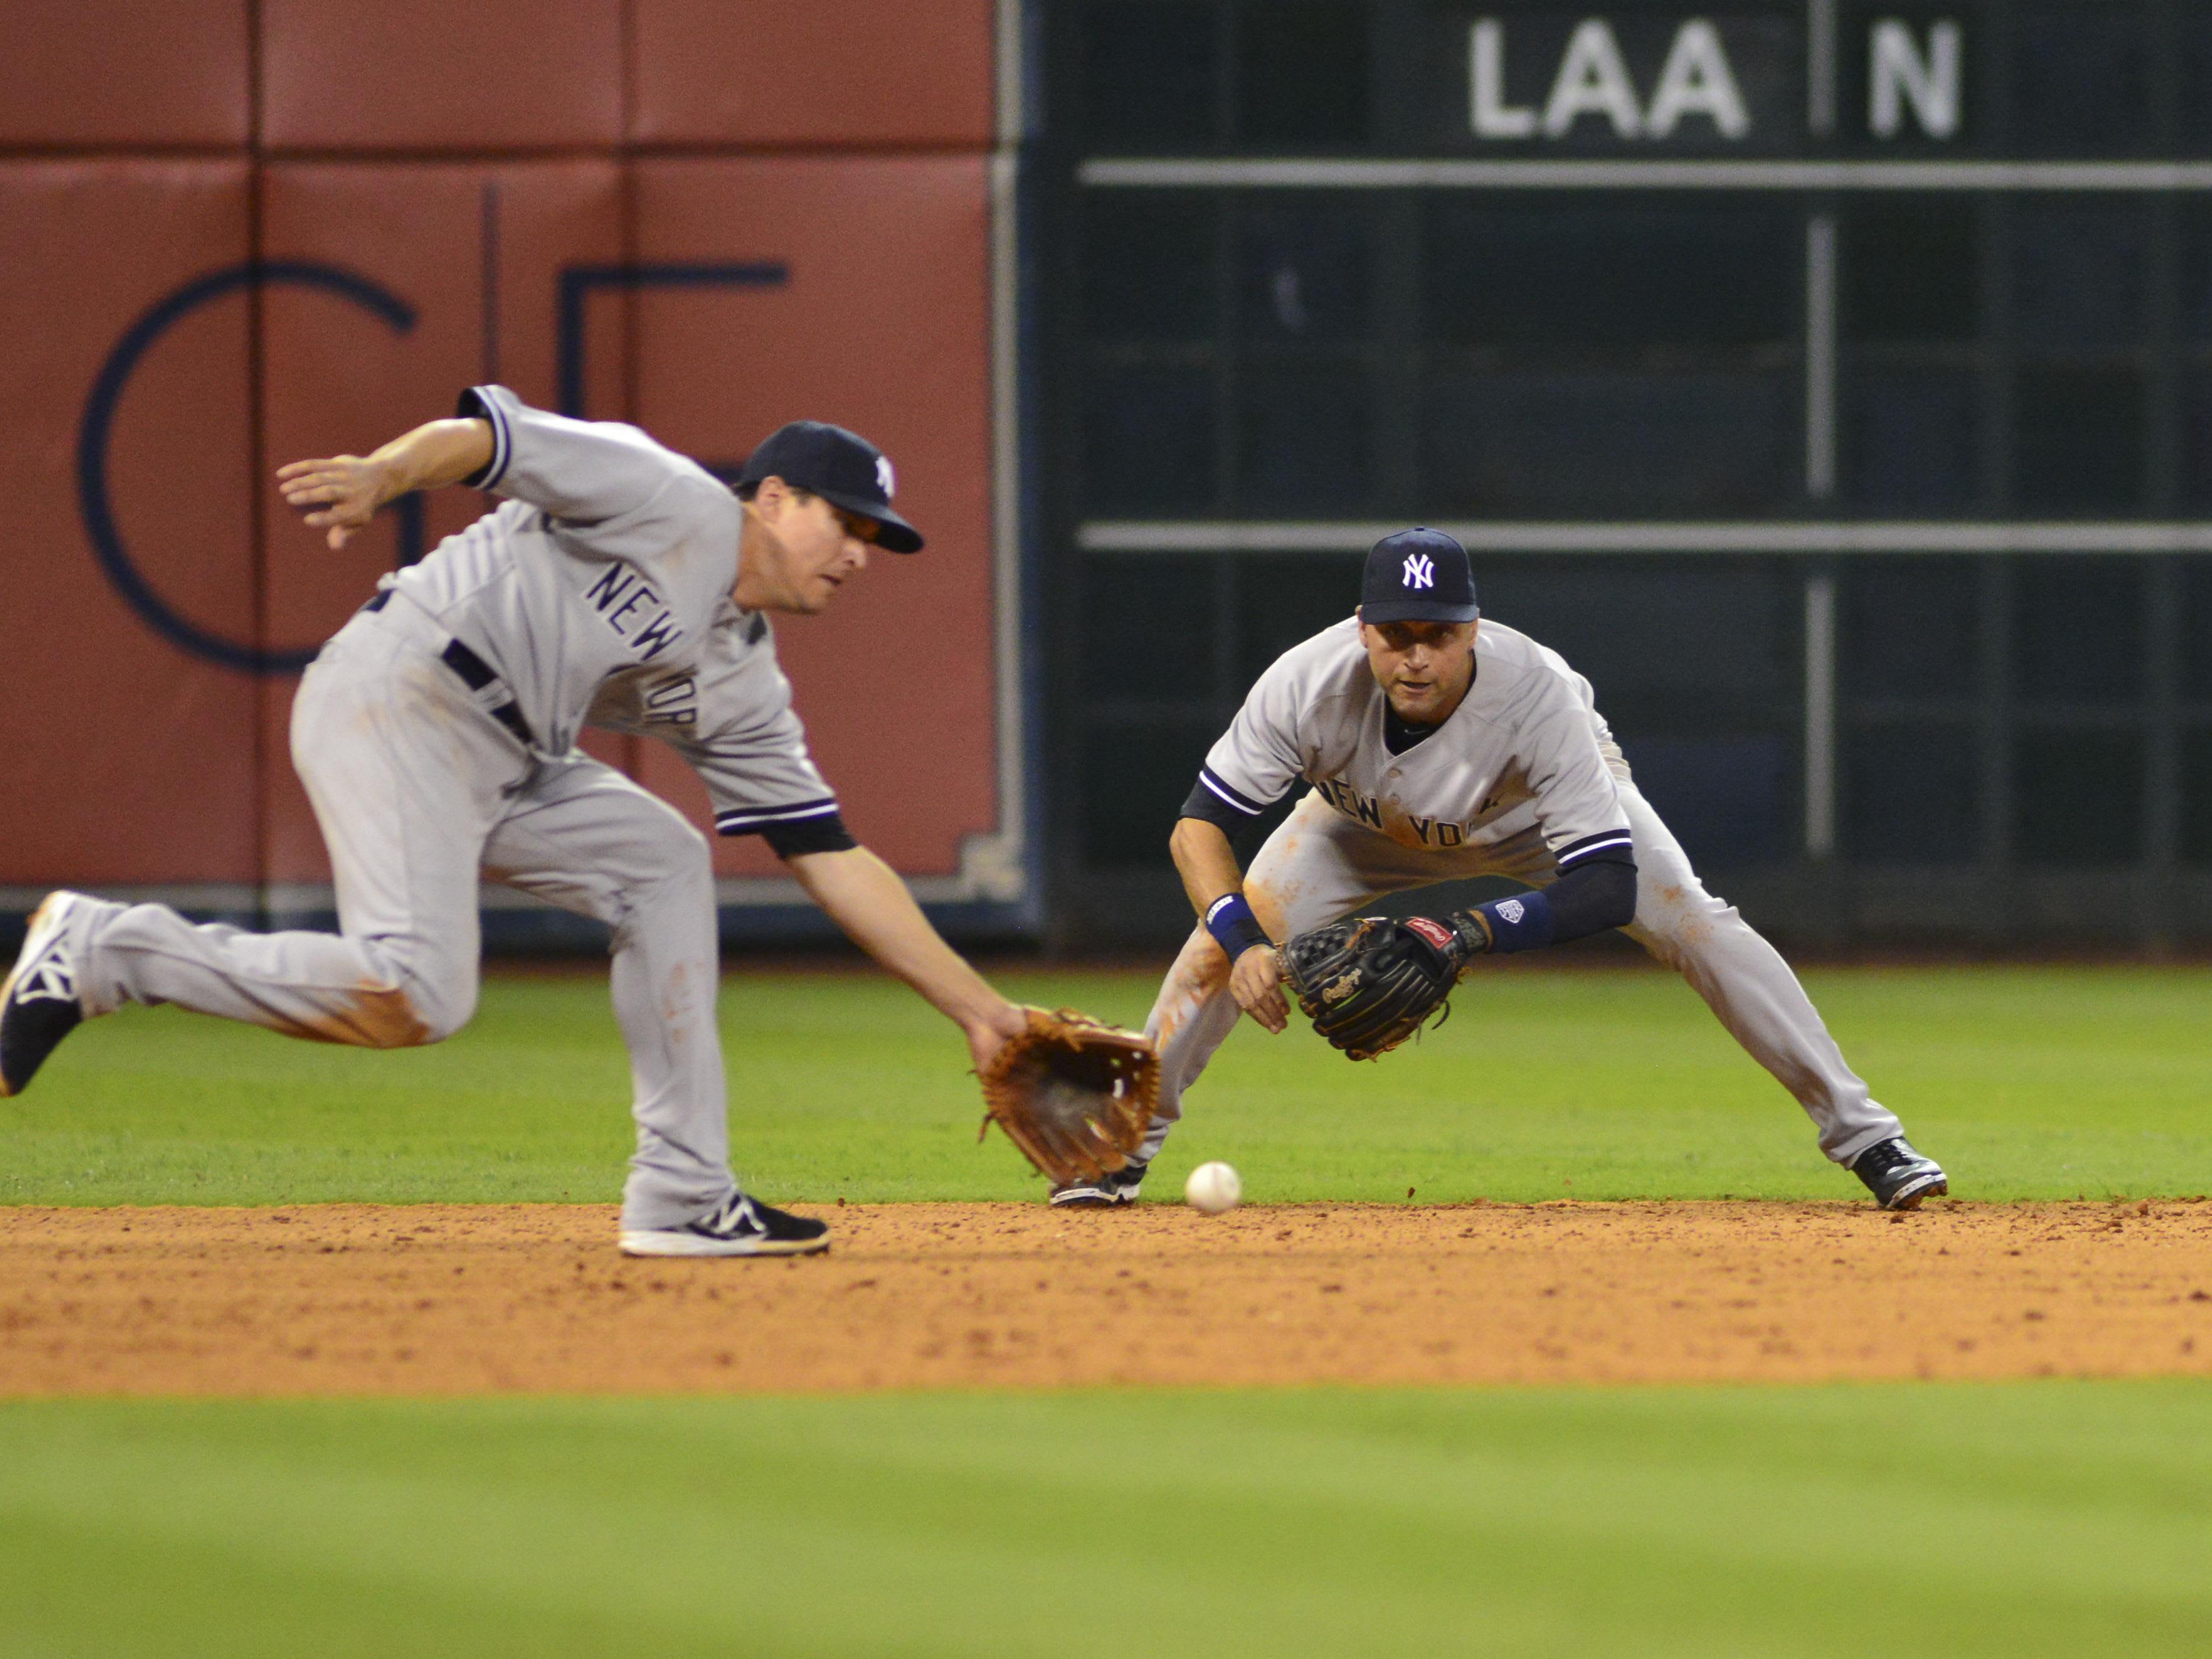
[670, 850]
[444, 1008]
[1673, 919]
[419, 1009]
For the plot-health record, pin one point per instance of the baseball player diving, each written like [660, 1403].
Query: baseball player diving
[619, 585]
[1440, 746]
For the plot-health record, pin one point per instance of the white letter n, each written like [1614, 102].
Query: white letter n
[1898, 73]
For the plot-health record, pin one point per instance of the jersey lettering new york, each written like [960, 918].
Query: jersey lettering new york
[726, 708]
[627, 604]
[1526, 749]
[673, 700]
[1440, 833]
[611, 554]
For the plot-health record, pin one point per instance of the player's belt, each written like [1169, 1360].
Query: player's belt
[476, 674]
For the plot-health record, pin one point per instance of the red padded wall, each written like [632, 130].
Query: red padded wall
[129, 759]
[451, 162]
[882, 326]
[423, 75]
[847, 72]
[125, 72]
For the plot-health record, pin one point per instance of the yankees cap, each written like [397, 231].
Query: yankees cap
[841, 467]
[1418, 576]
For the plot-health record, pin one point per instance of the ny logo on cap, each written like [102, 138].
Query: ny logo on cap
[884, 477]
[1420, 570]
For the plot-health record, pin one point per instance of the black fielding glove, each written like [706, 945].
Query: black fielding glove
[1370, 983]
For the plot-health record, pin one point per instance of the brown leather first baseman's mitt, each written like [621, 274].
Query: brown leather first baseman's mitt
[1074, 1093]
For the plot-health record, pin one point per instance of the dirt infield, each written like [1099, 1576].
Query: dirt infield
[466, 1299]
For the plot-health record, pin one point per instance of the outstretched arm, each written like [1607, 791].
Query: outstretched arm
[865, 896]
[343, 492]
[1207, 864]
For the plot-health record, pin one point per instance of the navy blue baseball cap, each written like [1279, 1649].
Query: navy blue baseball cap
[1418, 576]
[841, 467]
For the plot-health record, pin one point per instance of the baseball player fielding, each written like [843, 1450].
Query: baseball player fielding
[1437, 746]
[622, 587]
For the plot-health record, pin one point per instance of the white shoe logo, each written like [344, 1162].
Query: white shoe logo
[885, 476]
[48, 983]
[737, 1216]
[1420, 570]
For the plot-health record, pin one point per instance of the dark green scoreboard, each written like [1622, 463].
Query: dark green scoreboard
[1832, 382]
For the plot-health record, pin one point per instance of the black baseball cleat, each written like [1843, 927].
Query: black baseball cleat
[743, 1226]
[38, 1004]
[1898, 1176]
[1120, 1187]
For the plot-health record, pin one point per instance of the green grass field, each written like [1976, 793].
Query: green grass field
[1998, 1521]
[2044, 1518]
[2027, 1083]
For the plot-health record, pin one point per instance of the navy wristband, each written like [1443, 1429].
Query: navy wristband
[1234, 927]
[1524, 923]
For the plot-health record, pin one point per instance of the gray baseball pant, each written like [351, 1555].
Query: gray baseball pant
[417, 790]
[1319, 866]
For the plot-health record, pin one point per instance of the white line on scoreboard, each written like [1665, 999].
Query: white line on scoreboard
[1245, 173]
[1546, 535]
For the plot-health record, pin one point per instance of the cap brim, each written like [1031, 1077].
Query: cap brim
[893, 533]
[1391, 611]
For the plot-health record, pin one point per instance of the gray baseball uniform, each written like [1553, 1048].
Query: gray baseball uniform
[1522, 779]
[435, 734]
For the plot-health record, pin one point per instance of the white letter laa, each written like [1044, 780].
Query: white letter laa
[1898, 74]
[1488, 112]
[1696, 81]
[1592, 78]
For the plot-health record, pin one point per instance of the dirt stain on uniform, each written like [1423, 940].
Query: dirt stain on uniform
[376, 1017]
[678, 1002]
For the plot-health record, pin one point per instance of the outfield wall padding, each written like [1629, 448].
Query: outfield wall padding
[127, 72]
[840, 72]
[706, 219]
[431, 75]
[129, 759]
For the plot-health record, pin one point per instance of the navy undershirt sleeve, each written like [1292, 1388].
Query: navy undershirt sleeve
[1205, 804]
[826, 834]
[1598, 893]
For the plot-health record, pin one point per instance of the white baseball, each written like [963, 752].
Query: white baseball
[1212, 1189]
